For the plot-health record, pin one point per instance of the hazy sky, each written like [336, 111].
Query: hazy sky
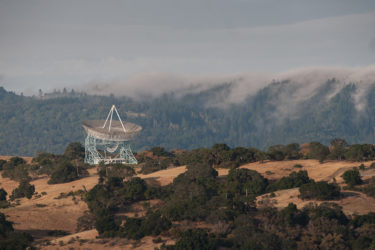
[54, 43]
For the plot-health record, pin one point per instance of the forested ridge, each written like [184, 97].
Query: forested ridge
[191, 120]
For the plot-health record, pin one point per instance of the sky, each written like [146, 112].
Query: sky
[48, 44]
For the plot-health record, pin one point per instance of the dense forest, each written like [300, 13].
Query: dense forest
[274, 115]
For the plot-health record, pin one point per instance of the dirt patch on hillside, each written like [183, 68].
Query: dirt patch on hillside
[352, 202]
[163, 177]
[88, 240]
[326, 171]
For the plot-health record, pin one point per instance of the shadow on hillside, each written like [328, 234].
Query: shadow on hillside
[38, 234]
[346, 194]
[152, 181]
[39, 177]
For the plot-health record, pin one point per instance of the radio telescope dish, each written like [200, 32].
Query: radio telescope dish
[107, 140]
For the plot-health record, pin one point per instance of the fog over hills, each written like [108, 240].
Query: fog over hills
[314, 104]
[305, 81]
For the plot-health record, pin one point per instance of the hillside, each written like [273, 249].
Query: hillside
[59, 212]
[280, 113]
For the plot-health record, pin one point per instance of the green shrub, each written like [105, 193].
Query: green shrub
[295, 179]
[25, 189]
[152, 224]
[360, 220]
[17, 241]
[85, 222]
[281, 152]
[151, 165]
[57, 233]
[5, 226]
[175, 209]
[360, 152]
[15, 161]
[132, 228]
[2, 162]
[290, 215]
[194, 239]
[362, 167]
[119, 170]
[369, 189]
[330, 211]
[318, 151]
[105, 223]
[321, 190]
[135, 189]
[3, 194]
[64, 172]
[75, 151]
[11, 240]
[352, 177]
[338, 149]
[276, 152]
[245, 182]
[4, 204]
[43, 158]
[16, 172]
[160, 151]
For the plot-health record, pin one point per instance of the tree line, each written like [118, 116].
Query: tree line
[28, 125]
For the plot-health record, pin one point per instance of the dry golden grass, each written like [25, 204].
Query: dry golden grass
[62, 214]
[88, 240]
[164, 177]
[326, 171]
[58, 214]
[351, 203]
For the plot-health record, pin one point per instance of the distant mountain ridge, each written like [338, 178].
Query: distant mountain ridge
[280, 113]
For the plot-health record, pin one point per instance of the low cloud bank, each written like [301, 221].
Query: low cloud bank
[304, 83]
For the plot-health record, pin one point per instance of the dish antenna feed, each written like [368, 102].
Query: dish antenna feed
[108, 140]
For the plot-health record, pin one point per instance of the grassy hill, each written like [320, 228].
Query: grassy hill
[51, 217]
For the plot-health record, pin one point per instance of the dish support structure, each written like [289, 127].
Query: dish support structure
[122, 153]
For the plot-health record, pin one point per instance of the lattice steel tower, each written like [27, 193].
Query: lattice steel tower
[108, 140]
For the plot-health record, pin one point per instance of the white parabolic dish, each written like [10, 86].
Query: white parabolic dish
[116, 133]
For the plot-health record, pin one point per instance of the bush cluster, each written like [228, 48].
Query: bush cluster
[65, 172]
[320, 190]
[352, 177]
[24, 189]
[62, 168]
[16, 169]
[295, 179]
[10, 239]
[152, 224]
